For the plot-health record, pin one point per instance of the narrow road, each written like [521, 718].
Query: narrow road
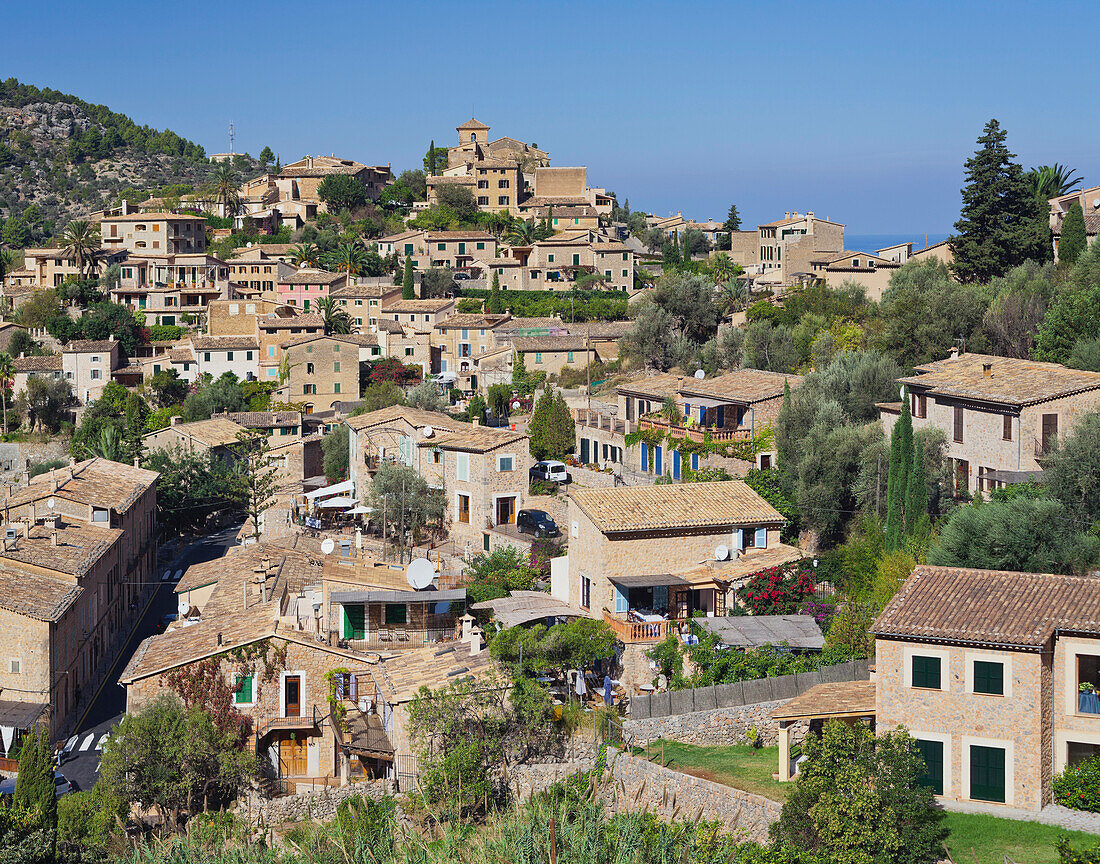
[81, 762]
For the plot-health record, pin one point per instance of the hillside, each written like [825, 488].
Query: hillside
[64, 158]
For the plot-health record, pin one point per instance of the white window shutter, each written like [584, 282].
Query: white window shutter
[761, 538]
[738, 538]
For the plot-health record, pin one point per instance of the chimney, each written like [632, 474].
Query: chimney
[309, 161]
[137, 462]
[987, 370]
[26, 528]
[177, 420]
[954, 352]
[53, 538]
[72, 461]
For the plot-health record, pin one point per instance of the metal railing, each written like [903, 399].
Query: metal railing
[269, 723]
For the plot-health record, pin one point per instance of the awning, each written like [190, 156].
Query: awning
[522, 607]
[648, 580]
[333, 503]
[20, 715]
[428, 596]
[335, 489]
[356, 511]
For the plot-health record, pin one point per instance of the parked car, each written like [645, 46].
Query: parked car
[538, 522]
[551, 470]
[164, 622]
[61, 786]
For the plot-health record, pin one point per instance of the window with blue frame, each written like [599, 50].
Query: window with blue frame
[694, 461]
[645, 456]
[675, 464]
[658, 466]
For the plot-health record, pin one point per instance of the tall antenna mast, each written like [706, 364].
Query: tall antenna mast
[230, 137]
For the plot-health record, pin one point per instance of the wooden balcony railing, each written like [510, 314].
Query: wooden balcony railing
[630, 632]
[695, 433]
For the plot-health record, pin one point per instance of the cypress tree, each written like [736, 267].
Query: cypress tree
[1072, 242]
[407, 290]
[539, 431]
[34, 786]
[901, 458]
[916, 492]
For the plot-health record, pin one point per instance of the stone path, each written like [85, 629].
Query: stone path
[1052, 814]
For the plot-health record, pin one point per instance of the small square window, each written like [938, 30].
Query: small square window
[926, 672]
[989, 678]
[15, 666]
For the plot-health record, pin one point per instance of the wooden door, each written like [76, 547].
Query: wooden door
[292, 699]
[292, 757]
[506, 511]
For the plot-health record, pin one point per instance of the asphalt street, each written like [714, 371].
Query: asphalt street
[81, 761]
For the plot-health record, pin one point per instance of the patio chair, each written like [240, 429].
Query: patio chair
[385, 635]
[402, 635]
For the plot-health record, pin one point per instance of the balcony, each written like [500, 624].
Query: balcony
[606, 422]
[397, 638]
[631, 632]
[695, 433]
[309, 719]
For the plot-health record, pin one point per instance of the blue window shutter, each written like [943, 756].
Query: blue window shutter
[703, 415]
[694, 461]
[761, 538]
[738, 538]
[645, 456]
[687, 409]
[659, 468]
[675, 464]
[721, 416]
[621, 602]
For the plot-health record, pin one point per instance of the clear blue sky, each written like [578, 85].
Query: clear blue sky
[862, 112]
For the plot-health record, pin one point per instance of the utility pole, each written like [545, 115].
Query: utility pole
[231, 136]
[588, 357]
[402, 522]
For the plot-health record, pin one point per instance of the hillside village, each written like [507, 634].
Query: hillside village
[335, 462]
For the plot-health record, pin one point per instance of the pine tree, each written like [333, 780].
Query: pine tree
[916, 491]
[34, 786]
[539, 431]
[901, 458]
[1072, 242]
[408, 292]
[733, 220]
[1002, 224]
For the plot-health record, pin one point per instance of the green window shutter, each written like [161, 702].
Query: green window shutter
[987, 774]
[989, 678]
[926, 672]
[354, 618]
[244, 690]
[932, 754]
[396, 613]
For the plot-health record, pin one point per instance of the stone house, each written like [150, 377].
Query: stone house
[259, 274]
[155, 233]
[551, 354]
[279, 326]
[87, 366]
[172, 288]
[364, 302]
[50, 267]
[788, 245]
[217, 435]
[303, 288]
[300, 180]
[323, 371]
[24, 368]
[1089, 199]
[873, 272]
[1000, 415]
[995, 674]
[406, 342]
[216, 355]
[73, 574]
[459, 338]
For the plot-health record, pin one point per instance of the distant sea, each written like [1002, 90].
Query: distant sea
[871, 242]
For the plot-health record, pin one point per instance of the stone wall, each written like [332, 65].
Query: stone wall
[642, 785]
[721, 726]
[526, 780]
[318, 804]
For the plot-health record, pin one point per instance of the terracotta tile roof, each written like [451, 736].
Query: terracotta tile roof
[35, 595]
[368, 291]
[400, 678]
[223, 343]
[553, 200]
[270, 248]
[311, 277]
[418, 305]
[404, 235]
[604, 329]
[88, 346]
[740, 385]
[843, 699]
[435, 236]
[215, 432]
[415, 417]
[307, 320]
[474, 123]
[992, 607]
[180, 355]
[476, 439]
[749, 562]
[472, 319]
[48, 363]
[264, 419]
[313, 337]
[549, 343]
[362, 338]
[682, 505]
[79, 546]
[455, 180]
[94, 481]
[1010, 381]
[154, 217]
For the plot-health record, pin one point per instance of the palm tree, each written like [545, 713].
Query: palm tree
[1053, 181]
[5, 377]
[225, 189]
[81, 241]
[346, 258]
[336, 320]
[305, 255]
[731, 296]
[522, 233]
[107, 445]
[723, 267]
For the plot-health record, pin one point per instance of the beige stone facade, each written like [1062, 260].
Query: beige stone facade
[154, 233]
[323, 371]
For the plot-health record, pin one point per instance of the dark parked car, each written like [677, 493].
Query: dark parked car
[538, 522]
[61, 786]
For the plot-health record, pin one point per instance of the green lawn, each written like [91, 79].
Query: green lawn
[974, 839]
[737, 766]
[978, 839]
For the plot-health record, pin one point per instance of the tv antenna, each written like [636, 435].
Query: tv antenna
[231, 136]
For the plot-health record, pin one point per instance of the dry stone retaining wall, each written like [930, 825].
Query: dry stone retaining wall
[316, 804]
[706, 728]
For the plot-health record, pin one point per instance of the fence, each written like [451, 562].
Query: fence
[744, 692]
[406, 772]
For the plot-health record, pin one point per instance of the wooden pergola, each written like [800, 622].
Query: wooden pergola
[848, 701]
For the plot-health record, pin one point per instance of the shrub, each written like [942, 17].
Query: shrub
[543, 487]
[543, 550]
[777, 590]
[1078, 786]
[165, 333]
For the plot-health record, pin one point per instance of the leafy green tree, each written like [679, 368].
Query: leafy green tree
[859, 800]
[426, 397]
[1002, 224]
[562, 427]
[34, 786]
[341, 192]
[541, 436]
[15, 233]
[459, 200]
[1072, 471]
[497, 573]
[731, 225]
[305, 255]
[435, 160]
[768, 485]
[266, 157]
[408, 289]
[89, 821]
[404, 502]
[168, 388]
[214, 397]
[1085, 355]
[499, 399]
[191, 486]
[1072, 314]
[1033, 535]
[380, 394]
[901, 460]
[334, 447]
[437, 282]
[45, 403]
[6, 381]
[1020, 300]
[1073, 241]
[347, 258]
[916, 493]
[226, 189]
[476, 408]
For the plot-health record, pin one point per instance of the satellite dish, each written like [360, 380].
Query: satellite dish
[184, 608]
[721, 553]
[1095, 203]
[327, 545]
[515, 406]
[428, 431]
[700, 374]
[51, 503]
[420, 574]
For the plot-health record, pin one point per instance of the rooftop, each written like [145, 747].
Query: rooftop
[46, 363]
[400, 678]
[419, 305]
[472, 319]
[78, 547]
[311, 277]
[678, 506]
[223, 343]
[155, 217]
[264, 419]
[94, 481]
[842, 699]
[90, 346]
[550, 343]
[34, 595]
[293, 322]
[990, 607]
[1004, 380]
[740, 385]
[752, 631]
[215, 432]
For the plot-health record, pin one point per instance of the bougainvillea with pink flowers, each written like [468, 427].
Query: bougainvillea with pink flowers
[778, 590]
